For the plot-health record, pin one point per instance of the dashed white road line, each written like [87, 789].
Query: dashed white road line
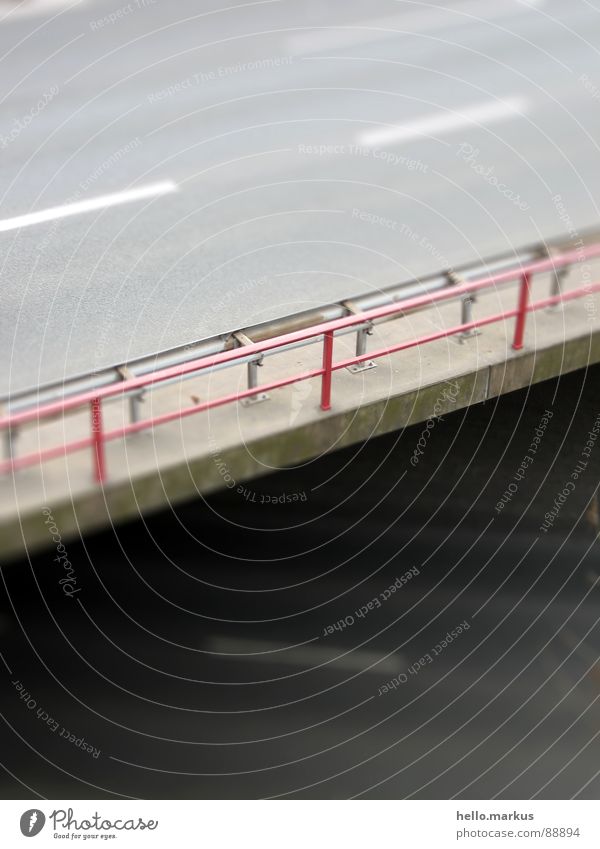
[12, 10]
[439, 123]
[398, 26]
[309, 656]
[76, 208]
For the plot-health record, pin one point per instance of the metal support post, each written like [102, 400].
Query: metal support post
[558, 275]
[253, 367]
[361, 341]
[522, 311]
[327, 370]
[98, 440]
[466, 308]
[134, 400]
[9, 443]
[466, 317]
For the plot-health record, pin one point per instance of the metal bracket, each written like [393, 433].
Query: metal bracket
[466, 308]
[558, 275]
[253, 367]
[361, 341]
[241, 338]
[134, 400]
[9, 436]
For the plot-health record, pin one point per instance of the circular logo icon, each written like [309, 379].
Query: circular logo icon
[32, 822]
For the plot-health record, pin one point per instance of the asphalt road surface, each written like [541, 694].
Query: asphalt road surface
[170, 171]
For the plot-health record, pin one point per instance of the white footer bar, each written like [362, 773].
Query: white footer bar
[301, 824]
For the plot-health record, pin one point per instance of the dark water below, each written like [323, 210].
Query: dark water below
[357, 626]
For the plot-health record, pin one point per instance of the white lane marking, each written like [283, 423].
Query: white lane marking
[308, 656]
[78, 207]
[31, 8]
[445, 122]
[398, 26]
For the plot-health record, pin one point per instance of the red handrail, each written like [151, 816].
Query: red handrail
[522, 311]
[94, 398]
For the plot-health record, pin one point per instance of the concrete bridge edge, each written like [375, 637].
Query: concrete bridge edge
[122, 501]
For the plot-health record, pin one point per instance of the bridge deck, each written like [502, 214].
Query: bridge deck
[230, 445]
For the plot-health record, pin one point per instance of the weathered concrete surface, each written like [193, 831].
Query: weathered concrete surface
[232, 444]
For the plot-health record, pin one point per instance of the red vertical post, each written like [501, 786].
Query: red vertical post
[327, 363]
[97, 435]
[522, 313]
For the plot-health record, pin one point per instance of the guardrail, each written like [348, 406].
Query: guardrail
[256, 350]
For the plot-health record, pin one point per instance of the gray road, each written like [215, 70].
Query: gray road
[311, 154]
